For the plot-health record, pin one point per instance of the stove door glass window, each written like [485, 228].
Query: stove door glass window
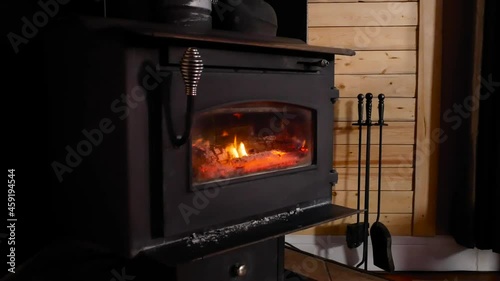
[250, 139]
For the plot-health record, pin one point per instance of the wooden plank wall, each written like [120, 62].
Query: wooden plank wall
[384, 35]
[428, 121]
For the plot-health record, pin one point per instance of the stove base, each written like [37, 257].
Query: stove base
[259, 261]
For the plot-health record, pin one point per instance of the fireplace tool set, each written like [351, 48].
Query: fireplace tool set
[357, 233]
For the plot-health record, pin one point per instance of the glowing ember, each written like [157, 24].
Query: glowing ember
[278, 153]
[214, 162]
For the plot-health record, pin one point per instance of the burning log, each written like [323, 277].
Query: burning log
[212, 167]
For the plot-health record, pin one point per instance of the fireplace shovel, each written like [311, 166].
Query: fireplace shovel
[380, 235]
[355, 234]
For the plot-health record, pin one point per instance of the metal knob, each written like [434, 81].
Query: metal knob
[240, 270]
[324, 63]
[191, 69]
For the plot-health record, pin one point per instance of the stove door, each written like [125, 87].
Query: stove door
[261, 141]
[250, 139]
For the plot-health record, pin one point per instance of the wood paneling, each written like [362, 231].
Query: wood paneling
[404, 85]
[398, 225]
[392, 179]
[399, 202]
[363, 14]
[397, 156]
[365, 38]
[394, 133]
[396, 109]
[384, 34]
[377, 62]
[428, 106]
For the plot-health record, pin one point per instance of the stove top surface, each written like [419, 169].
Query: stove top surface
[229, 38]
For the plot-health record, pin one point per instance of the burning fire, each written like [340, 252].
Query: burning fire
[241, 150]
[236, 151]
[303, 148]
[278, 153]
[231, 159]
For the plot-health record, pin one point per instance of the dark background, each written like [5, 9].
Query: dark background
[469, 183]
[26, 103]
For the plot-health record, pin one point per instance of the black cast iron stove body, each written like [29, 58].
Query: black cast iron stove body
[258, 164]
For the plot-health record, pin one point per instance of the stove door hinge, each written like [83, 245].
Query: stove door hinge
[333, 177]
[334, 92]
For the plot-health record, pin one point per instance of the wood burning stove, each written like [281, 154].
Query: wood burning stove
[256, 164]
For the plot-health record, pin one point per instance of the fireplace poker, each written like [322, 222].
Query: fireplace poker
[356, 231]
[368, 124]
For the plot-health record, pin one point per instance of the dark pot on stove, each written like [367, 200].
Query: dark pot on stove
[246, 16]
[194, 15]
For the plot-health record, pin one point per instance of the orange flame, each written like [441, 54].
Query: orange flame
[233, 152]
[241, 150]
[236, 152]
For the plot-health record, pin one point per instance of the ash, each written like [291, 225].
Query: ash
[213, 236]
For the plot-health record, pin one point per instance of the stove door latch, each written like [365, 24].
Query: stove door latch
[319, 63]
